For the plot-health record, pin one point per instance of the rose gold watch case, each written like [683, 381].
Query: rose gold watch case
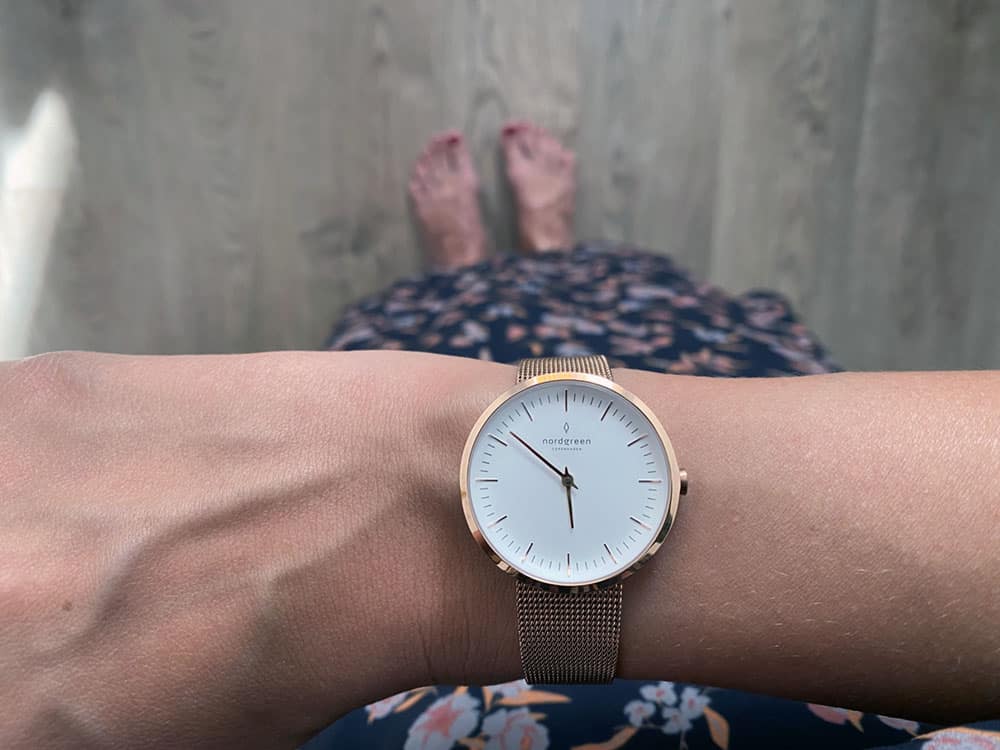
[676, 477]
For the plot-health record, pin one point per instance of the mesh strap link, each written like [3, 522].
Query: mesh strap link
[568, 637]
[593, 365]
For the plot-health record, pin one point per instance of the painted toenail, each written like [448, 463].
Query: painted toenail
[453, 139]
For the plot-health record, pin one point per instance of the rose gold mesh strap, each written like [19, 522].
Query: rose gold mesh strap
[567, 637]
[594, 365]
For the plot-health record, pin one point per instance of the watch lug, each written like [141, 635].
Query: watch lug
[684, 481]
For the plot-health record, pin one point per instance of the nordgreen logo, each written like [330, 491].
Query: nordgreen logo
[565, 441]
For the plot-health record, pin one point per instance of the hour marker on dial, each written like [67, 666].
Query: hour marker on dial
[493, 479]
[641, 437]
[499, 520]
[494, 437]
[611, 554]
[645, 526]
[525, 555]
[650, 481]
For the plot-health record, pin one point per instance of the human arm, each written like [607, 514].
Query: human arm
[237, 550]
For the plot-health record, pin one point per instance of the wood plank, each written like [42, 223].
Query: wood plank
[794, 92]
[649, 125]
[925, 186]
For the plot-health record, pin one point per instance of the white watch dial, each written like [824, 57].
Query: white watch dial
[569, 482]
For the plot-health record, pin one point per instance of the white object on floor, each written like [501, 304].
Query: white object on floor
[36, 165]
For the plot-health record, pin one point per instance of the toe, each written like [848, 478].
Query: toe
[458, 157]
[546, 143]
[433, 163]
[515, 136]
[422, 165]
[438, 157]
[550, 151]
[466, 169]
[524, 141]
[418, 183]
[538, 140]
[512, 127]
[448, 146]
[430, 172]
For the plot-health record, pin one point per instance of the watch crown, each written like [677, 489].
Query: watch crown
[684, 481]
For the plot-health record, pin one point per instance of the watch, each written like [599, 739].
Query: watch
[569, 483]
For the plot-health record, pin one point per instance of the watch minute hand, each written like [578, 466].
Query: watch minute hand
[540, 456]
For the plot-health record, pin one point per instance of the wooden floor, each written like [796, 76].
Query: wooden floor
[240, 165]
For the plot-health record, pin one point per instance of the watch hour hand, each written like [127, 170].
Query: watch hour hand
[569, 485]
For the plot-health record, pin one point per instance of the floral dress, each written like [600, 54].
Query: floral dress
[639, 309]
[642, 311]
[631, 715]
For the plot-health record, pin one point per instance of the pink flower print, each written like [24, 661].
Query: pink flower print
[445, 721]
[963, 739]
[662, 693]
[693, 703]
[381, 709]
[638, 711]
[630, 346]
[551, 332]
[676, 722]
[904, 725]
[516, 332]
[685, 300]
[514, 730]
[837, 715]
[447, 319]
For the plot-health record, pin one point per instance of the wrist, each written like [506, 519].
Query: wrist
[464, 604]
[412, 585]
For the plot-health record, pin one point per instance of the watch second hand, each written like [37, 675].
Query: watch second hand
[542, 458]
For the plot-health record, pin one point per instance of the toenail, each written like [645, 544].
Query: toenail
[454, 138]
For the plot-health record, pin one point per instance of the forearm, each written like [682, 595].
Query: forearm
[212, 551]
[839, 542]
[259, 544]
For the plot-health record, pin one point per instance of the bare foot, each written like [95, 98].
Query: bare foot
[540, 169]
[444, 188]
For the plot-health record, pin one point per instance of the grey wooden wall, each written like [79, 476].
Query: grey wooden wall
[242, 162]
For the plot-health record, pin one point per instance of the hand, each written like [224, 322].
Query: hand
[545, 460]
[568, 484]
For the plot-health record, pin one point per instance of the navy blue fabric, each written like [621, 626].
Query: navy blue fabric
[642, 311]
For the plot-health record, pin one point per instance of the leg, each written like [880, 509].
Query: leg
[541, 172]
